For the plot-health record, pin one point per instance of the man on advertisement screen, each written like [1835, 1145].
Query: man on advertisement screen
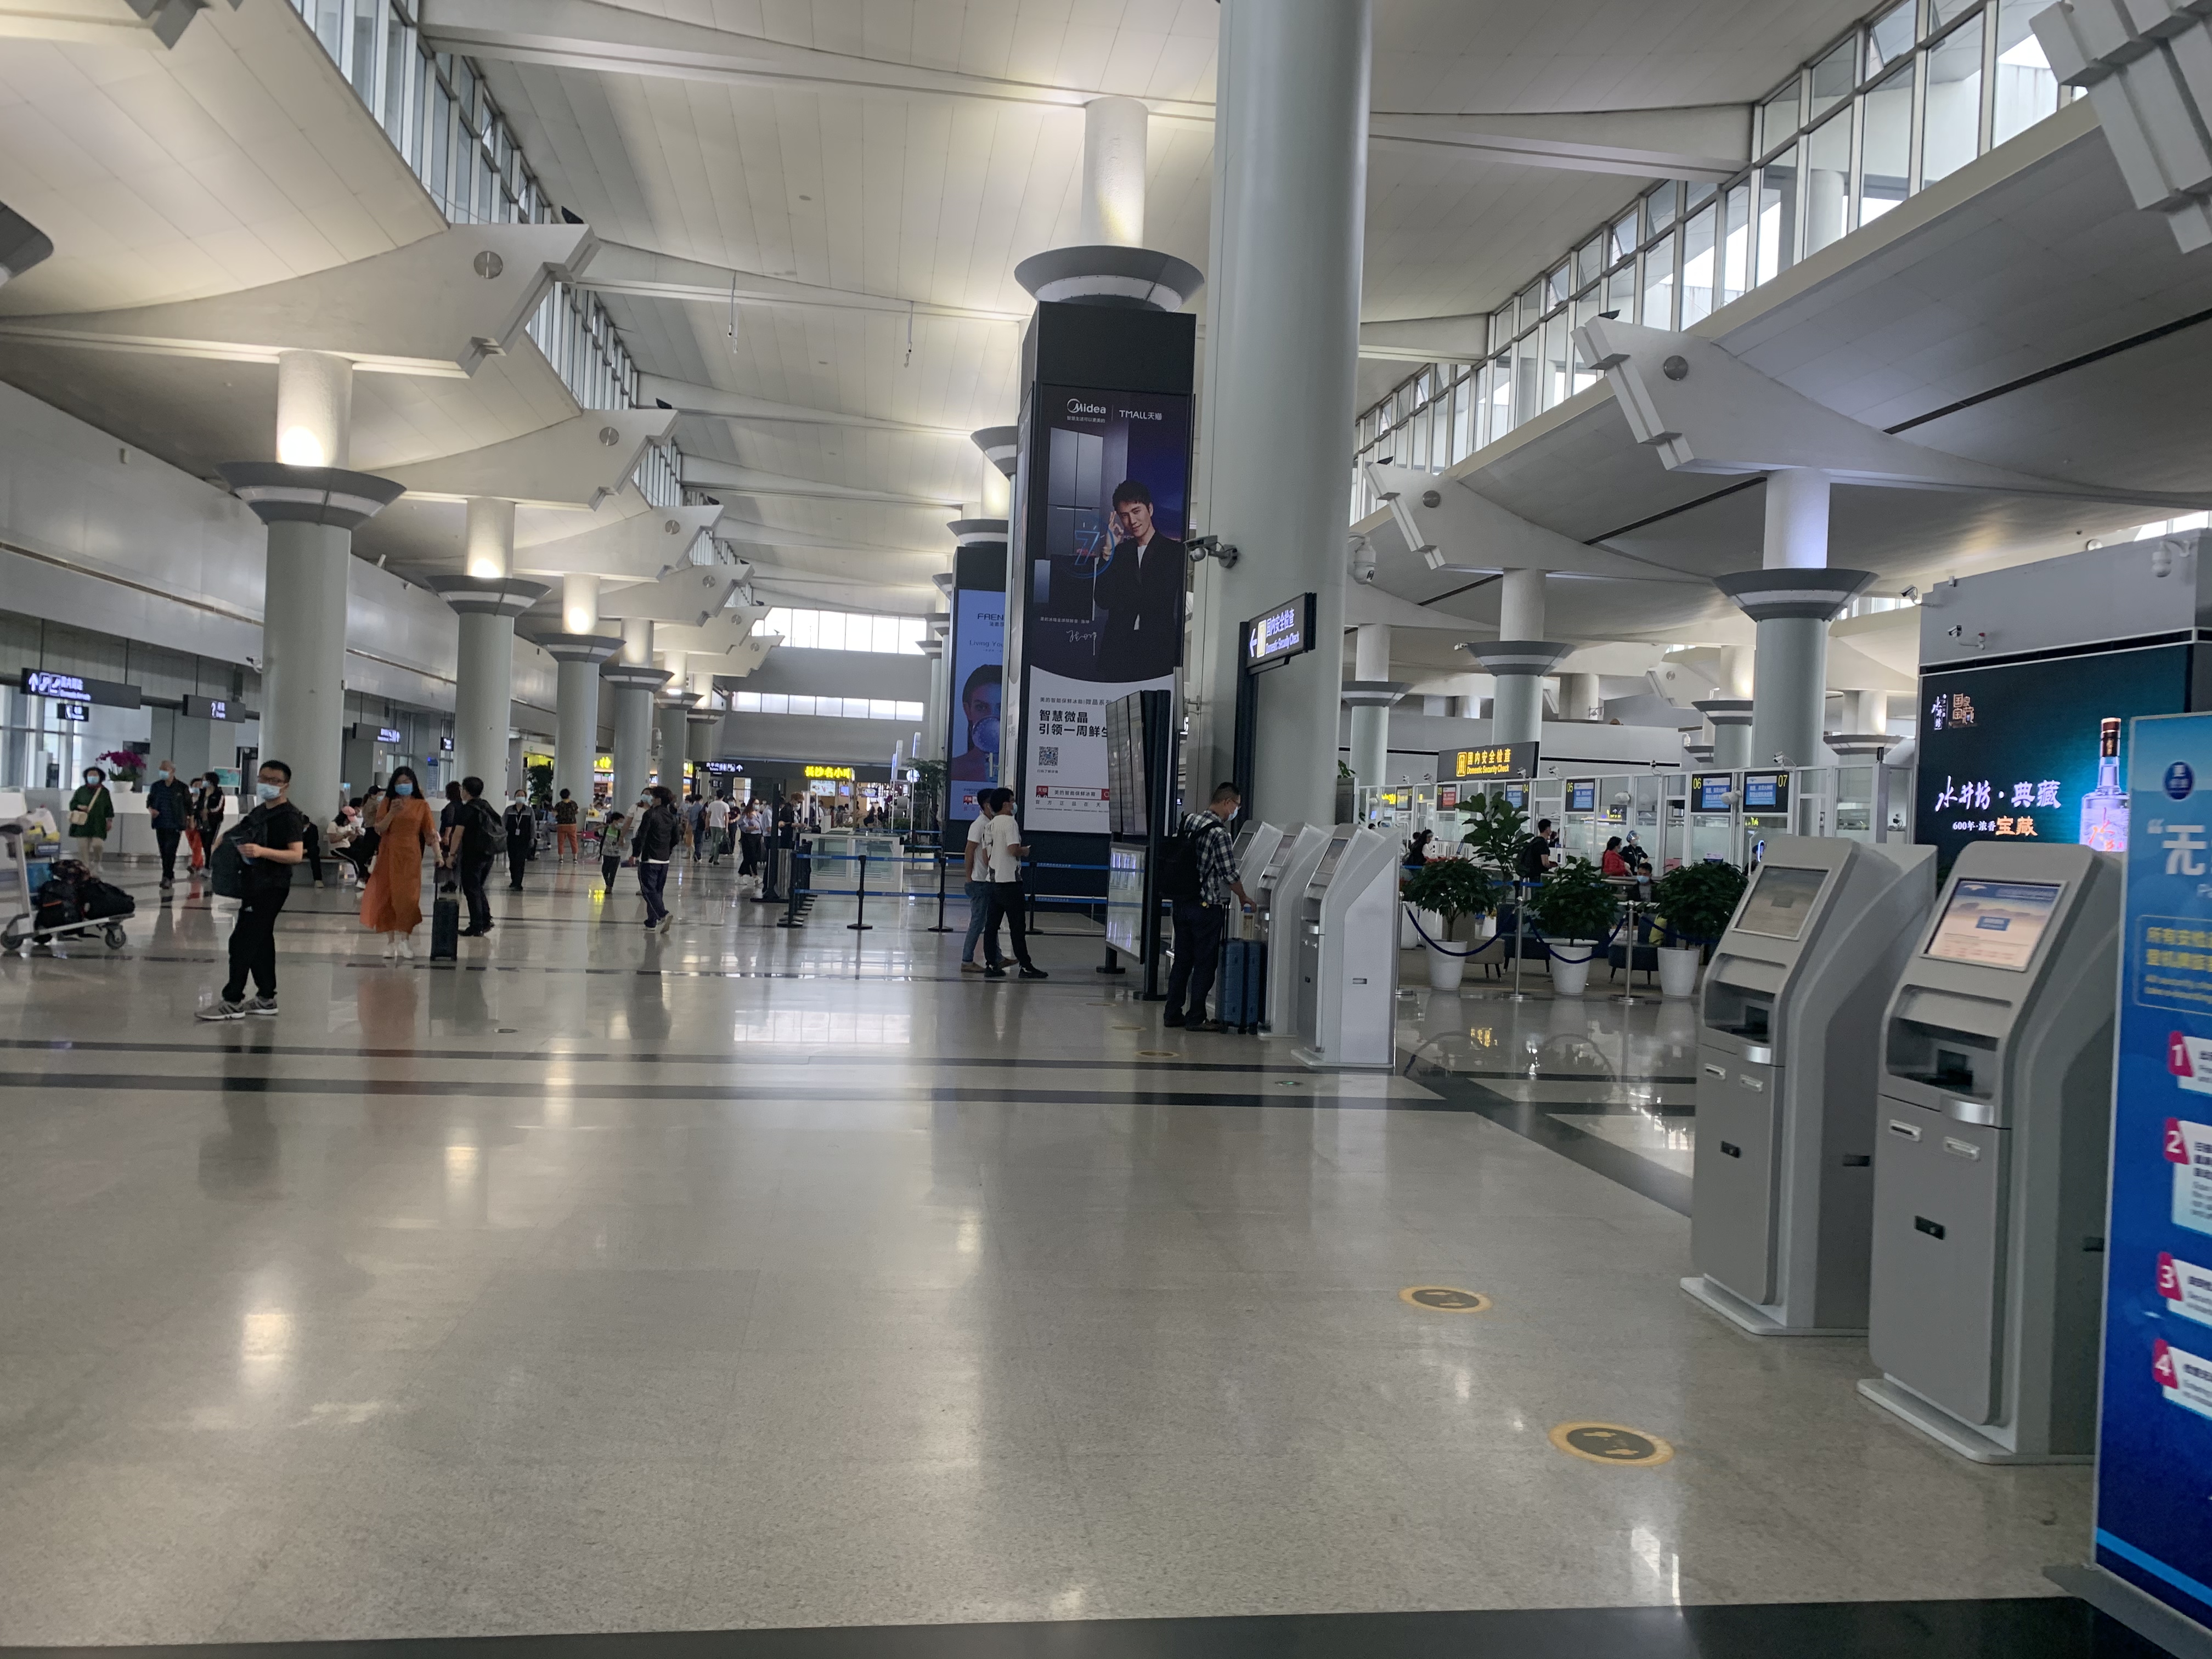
[1141, 580]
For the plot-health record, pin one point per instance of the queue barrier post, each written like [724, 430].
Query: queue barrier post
[859, 922]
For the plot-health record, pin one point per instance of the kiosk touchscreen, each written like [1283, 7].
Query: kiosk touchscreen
[1990, 1154]
[1347, 943]
[1280, 885]
[1781, 1186]
[1256, 846]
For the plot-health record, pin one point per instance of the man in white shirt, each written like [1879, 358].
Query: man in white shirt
[975, 871]
[717, 816]
[1003, 847]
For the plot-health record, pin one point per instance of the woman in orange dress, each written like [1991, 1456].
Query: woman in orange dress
[392, 904]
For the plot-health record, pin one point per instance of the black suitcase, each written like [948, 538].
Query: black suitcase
[102, 902]
[1243, 998]
[445, 926]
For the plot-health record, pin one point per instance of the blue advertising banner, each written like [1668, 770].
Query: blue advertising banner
[2154, 1430]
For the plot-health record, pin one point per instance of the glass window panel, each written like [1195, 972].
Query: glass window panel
[1890, 39]
[1827, 182]
[2027, 90]
[1696, 196]
[1558, 286]
[330, 27]
[1735, 243]
[1421, 388]
[882, 708]
[1416, 451]
[1588, 304]
[886, 631]
[440, 129]
[1527, 352]
[910, 711]
[1532, 307]
[912, 631]
[1779, 117]
[805, 630]
[1834, 77]
[1501, 329]
[1590, 260]
[366, 15]
[1659, 207]
[1499, 420]
[1777, 215]
[1462, 440]
[830, 632]
[745, 702]
[1700, 269]
[1940, 12]
[1620, 295]
[1556, 366]
[1623, 238]
[1885, 152]
[1658, 310]
[774, 703]
[1951, 128]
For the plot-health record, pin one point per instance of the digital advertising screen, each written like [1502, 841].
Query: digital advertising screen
[1781, 901]
[1104, 585]
[979, 656]
[1993, 924]
[2037, 750]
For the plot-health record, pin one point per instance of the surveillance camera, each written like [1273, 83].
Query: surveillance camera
[1363, 561]
[254, 662]
[1910, 595]
[1199, 546]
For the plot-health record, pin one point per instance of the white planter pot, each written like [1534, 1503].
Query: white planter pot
[1678, 970]
[1572, 978]
[1445, 972]
[1409, 938]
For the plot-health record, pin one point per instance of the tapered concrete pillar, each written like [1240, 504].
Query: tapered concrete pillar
[703, 732]
[311, 504]
[629, 679]
[1518, 659]
[1282, 342]
[1581, 697]
[487, 598]
[1370, 716]
[1793, 608]
[673, 711]
[1113, 142]
[1730, 720]
[576, 743]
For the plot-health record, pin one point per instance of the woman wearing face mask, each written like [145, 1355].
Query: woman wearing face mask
[91, 815]
[392, 904]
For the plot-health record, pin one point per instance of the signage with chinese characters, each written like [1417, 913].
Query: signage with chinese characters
[1282, 633]
[225, 710]
[76, 688]
[72, 711]
[1581, 794]
[2037, 750]
[1496, 760]
[1766, 793]
[725, 769]
[831, 773]
[445, 745]
[1709, 790]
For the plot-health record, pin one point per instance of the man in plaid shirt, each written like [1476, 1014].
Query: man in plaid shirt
[1199, 924]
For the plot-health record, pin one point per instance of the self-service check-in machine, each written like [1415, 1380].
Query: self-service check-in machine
[1280, 885]
[1781, 1198]
[1347, 945]
[1991, 1157]
[1254, 848]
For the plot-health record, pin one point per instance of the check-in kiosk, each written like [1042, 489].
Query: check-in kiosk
[1782, 1195]
[1280, 885]
[1347, 943]
[1990, 1156]
[1255, 849]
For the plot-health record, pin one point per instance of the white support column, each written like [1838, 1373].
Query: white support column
[1290, 152]
[1518, 659]
[312, 505]
[1790, 675]
[488, 597]
[674, 704]
[1114, 133]
[580, 603]
[579, 650]
[1371, 721]
[1581, 697]
[632, 679]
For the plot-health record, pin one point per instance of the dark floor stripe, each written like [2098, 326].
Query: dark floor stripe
[2054, 1627]
[1533, 1121]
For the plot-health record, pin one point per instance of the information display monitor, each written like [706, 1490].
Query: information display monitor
[1993, 924]
[1766, 792]
[1581, 794]
[1780, 902]
[1321, 877]
[1710, 790]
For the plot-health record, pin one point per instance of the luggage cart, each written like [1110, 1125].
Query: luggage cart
[21, 930]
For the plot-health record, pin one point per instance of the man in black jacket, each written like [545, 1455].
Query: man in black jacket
[272, 840]
[169, 807]
[472, 848]
[659, 833]
[521, 837]
[1142, 590]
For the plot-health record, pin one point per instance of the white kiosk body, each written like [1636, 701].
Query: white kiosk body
[1256, 845]
[1781, 1194]
[1990, 1158]
[1280, 885]
[1347, 940]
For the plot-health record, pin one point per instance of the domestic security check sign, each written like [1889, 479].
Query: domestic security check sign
[2186, 1379]
[2188, 1149]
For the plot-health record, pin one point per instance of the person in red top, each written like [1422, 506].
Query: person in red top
[1613, 864]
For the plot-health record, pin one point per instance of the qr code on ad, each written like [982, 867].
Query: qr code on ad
[1048, 754]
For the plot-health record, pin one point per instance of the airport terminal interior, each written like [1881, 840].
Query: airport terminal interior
[1103, 829]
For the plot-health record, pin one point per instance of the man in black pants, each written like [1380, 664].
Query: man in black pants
[169, 807]
[1005, 854]
[471, 847]
[521, 838]
[1199, 921]
[272, 840]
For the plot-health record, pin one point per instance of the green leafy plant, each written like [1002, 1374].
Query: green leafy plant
[1452, 888]
[927, 791]
[541, 784]
[1576, 901]
[1697, 900]
[1497, 830]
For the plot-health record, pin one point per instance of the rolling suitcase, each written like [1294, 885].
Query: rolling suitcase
[445, 926]
[1243, 984]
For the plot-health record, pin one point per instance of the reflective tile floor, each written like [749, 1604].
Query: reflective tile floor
[745, 1278]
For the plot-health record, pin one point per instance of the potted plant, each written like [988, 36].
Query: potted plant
[124, 765]
[1496, 831]
[1692, 905]
[1575, 907]
[1450, 889]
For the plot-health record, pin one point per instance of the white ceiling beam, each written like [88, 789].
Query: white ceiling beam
[641, 274]
[712, 403]
[745, 532]
[689, 595]
[641, 546]
[1711, 144]
[579, 462]
[701, 473]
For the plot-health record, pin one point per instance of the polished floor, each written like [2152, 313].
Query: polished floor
[745, 1278]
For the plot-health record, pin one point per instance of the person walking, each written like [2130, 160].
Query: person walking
[344, 838]
[716, 816]
[91, 815]
[659, 830]
[1199, 922]
[694, 814]
[976, 877]
[392, 904]
[472, 848]
[169, 809]
[271, 840]
[521, 824]
[610, 847]
[1006, 852]
[208, 814]
[752, 831]
[567, 818]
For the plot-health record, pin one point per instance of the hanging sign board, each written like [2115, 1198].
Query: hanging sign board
[75, 688]
[1491, 760]
[1285, 632]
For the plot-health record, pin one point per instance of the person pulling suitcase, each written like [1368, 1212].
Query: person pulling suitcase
[1201, 917]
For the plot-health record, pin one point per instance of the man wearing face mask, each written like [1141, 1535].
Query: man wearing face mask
[169, 810]
[271, 840]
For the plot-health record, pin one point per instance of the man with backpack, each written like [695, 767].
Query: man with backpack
[472, 842]
[267, 843]
[1198, 876]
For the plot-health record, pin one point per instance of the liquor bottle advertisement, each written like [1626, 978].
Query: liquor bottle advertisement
[2154, 1429]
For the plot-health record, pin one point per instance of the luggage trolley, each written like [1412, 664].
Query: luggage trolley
[21, 930]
